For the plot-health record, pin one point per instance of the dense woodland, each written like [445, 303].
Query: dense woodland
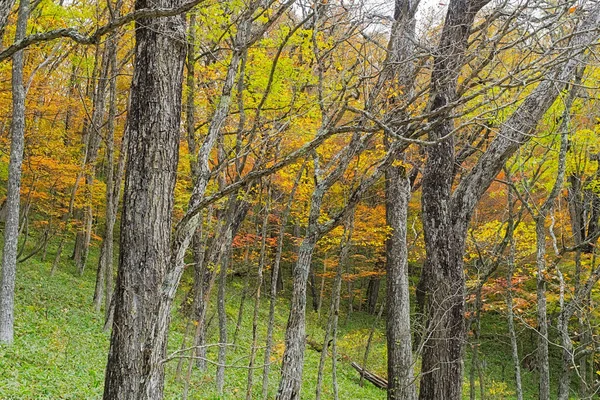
[300, 199]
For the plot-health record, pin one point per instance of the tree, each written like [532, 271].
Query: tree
[398, 71]
[5, 8]
[447, 213]
[137, 347]
[13, 198]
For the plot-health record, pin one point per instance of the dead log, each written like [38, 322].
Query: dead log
[371, 377]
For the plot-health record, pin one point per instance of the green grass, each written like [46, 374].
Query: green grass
[60, 349]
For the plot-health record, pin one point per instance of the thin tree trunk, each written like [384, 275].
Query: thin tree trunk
[257, 294]
[222, 358]
[332, 319]
[105, 263]
[293, 356]
[321, 291]
[57, 257]
[568, 359]
[5, 8]
[369, 341]
[11, 227]
[540, 231]
[240, 315]
[475, 363]
[509, 299]
[97, 91]
[274, 286]
[401, 379]
[201, 295]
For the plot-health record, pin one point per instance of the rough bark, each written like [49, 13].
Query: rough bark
[399, 69]
[5, 8]
[293, 357]
[113, 183]
[398, 327]
[275, 286]
[138, 341]
[442, 349]
[446, 217]
[13, 197]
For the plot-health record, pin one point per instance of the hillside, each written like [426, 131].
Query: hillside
[60, 347]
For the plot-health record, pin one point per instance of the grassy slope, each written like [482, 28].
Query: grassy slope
[60, 349]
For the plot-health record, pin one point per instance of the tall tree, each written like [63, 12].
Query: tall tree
[398, 70]
[137, 347]
[13, 197]
[447, 214]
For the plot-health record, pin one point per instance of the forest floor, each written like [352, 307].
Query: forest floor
[60, 348]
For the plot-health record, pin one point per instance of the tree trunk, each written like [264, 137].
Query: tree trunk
[509, 299]
[222, 359]
[293, 357]
[240, 315]
[105, 263]
[442, 365]
[401, 382]
[13, 197]
[138, 340]
[373, 293]
[332, 320]
[257, 294]
[369, 341]
[5, 8]
[542, 319]
[275, 278]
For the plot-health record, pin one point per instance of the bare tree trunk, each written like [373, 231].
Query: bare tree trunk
[274, 286]
[369, 341]
[13, 197]
[222, 358]
[240, 316]
[257, 294]
[57, 257]
[442, 365]
[105, 263]
[540, 231]
[373, 293]
[401, 381]
[321, 291]
[69, 213]
[475, 363]
[332, 319]
[568, 359]
[293, 356]
[509, 299]
[295, 332]
[5, 8]
[138, 340]
[200, 295]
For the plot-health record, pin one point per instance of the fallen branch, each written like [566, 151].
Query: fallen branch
[371, 377]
